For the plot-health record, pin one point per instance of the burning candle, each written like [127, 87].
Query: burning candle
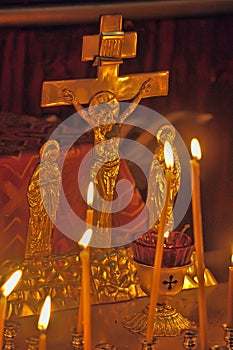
[44, 321]
[166, 235]
[90, 197]
[5, 290]
[230, 295]
[89, 221]
[168, 155]
[198, 240]
[86, 293]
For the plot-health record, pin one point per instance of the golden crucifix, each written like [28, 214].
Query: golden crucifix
[106, 50]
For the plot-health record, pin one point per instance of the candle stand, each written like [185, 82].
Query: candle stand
[148, 345]
[77, 340]
[10, 331]
[228, 336]
[167, 321]
[177, 253]
[190, 338]
[105, 346]
[33, 343]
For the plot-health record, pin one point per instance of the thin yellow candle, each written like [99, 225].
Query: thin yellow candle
[198, 240]
[230, 295]
[3, 303]
[90, 197]
[5, 290]
[86, 296]
[43, 322]
[89, 222]
[80, 311]
[159, 245]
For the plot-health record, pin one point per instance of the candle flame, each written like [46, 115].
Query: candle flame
[11, 283]
[166, 234]
[232, 259]
[195, 149]
[45, 314]
[168, 155]
[86, 237]
[90, 193]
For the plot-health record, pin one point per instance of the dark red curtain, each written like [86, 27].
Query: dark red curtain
[198, 54]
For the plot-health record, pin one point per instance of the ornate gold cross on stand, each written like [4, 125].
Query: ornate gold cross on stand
[106, 50]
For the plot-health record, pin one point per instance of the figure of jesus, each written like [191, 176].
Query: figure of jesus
[103, 115]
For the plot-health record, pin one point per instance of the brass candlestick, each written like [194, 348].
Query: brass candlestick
[146, 345]
[10, 331]
[105, 346]
[228, 336]
[33, 343]
[167, 321]
[77, 340]
[190, 338]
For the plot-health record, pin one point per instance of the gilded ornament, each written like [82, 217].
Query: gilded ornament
[157, 181]
[43, 199]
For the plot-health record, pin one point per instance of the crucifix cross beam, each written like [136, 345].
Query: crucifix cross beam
[107, 51]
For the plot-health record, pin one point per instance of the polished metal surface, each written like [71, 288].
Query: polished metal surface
[43, 195]
[107, 322]
[167, 320]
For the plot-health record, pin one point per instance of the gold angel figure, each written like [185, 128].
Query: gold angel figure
[43, 198]
[157, 182]
[103, 116]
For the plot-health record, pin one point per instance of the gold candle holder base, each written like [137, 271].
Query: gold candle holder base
[167, 321]
[148, 346]
[77, 340]
[105, 346]
[228, 336]
[190, 338]
[10, 331]
[33, 343]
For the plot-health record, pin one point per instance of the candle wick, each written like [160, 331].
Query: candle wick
[184, 229]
